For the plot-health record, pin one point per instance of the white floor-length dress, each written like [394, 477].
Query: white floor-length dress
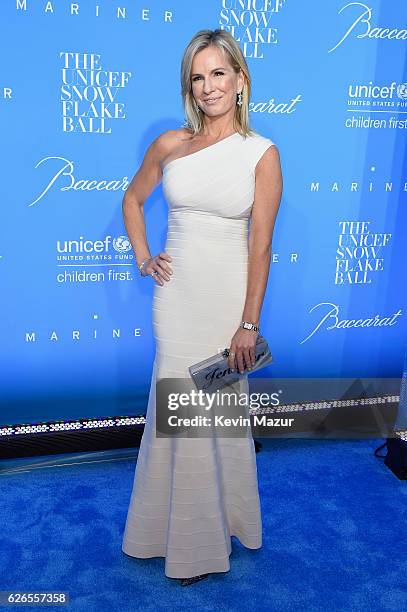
[191, 495]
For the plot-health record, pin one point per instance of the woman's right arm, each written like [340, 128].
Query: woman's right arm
[147, 177]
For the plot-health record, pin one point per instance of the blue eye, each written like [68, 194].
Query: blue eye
[217, 72]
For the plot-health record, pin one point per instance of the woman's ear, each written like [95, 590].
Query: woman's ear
[240, 80]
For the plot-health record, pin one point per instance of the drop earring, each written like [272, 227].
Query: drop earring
[239, 98]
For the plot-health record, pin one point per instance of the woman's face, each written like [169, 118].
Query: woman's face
[214, 82]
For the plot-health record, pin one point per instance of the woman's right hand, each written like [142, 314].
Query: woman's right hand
[158, 264]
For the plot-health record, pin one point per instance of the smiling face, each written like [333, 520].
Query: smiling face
[214, 82]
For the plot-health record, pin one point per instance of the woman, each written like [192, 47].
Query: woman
[191, 495]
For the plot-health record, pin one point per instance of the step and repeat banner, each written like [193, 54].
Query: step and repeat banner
[86, 86]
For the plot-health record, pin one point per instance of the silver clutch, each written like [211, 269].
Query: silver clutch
[213, 373]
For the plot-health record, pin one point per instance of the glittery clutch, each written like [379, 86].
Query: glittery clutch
[213, 373]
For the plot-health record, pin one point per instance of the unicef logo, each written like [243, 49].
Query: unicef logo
[121, 244]
[402, 91]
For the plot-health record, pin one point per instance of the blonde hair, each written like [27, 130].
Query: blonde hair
[229, 47]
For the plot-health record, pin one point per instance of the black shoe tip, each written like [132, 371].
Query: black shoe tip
[188, 581]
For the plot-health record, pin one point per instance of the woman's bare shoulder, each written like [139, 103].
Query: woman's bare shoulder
[169, 142]
[172, 138]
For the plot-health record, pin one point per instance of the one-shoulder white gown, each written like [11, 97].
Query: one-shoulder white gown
[191, 495]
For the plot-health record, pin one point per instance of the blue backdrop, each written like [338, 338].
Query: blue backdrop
[86, 87]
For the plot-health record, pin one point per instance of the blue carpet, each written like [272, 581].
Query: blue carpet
[334, 524]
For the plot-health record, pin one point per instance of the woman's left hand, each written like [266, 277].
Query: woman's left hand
[242, 349]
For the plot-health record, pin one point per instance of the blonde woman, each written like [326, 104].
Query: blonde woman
[218, 175]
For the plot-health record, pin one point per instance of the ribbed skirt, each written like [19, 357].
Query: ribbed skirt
[190, 495]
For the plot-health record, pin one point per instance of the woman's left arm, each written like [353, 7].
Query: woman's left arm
[268, 190]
